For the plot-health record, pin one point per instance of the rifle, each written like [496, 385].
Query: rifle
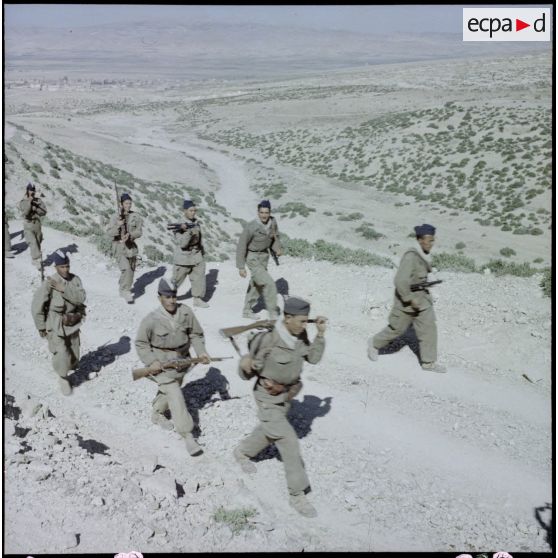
[42, 269]
[424, 285]
[139, 373]
[123, 230]
[272, 252]
[229, 332]
[274, 256]
[176, 227]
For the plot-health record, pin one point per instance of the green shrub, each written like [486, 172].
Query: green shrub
[153, 254]
[369, 232]
[351, 217]
[500, 267]
[54, 173]
[507, 252]
[454, 262]
[546, 282]
[538, 260]
[236, 520]
[460, 246]
[37, 168]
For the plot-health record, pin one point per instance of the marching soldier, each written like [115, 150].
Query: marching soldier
[58, 312]
[413, 307]
[32, 210]
[256, 240]
[124, 228]
[164, 335]
[276, 358]
[189, 254]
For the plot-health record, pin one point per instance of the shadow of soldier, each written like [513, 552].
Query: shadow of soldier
[547, 523]
[95, 360]
[18, 233]
[409, 338]
[210, 286]
[70, 249]
[205, 392]
[19, 247]
[282, 286]
[146, 279]
[301, 415]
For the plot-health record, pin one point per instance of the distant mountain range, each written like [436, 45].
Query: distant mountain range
[221, 50]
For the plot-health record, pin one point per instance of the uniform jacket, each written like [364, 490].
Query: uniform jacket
[414, 268]
[256, 237]
[71, 300]
[134, 225]
[32, 213]
[277, 360]
[188, 248]
[161, 330]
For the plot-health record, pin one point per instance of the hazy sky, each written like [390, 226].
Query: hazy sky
[361, 18]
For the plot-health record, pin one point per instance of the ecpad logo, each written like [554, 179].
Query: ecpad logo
[506, 24]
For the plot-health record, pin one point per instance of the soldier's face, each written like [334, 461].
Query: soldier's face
[190, 213]
[426, 242]
[295, 324]
[127, 205]
[168, 303]
[63, 270]
[264, 213]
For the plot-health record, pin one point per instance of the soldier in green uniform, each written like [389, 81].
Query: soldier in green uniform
[189, 254]
[252, 251]
[32, 209]
[166, 334]
[58, 312]
[124, 228]
[276, 358]
[413, 307]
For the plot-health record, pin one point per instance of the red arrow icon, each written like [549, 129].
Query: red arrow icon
[519, 25]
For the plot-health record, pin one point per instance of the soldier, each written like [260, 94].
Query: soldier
[252, 251]
[32, 210]
[124, 228]
[276, 358]
[164, 335]
[413, 307]
[189, 254]
[58, 312]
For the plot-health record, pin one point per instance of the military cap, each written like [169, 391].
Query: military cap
[60, 258]
[30, 187]
[424, 229]
[125, 197]
[296, 306]
[188, 203]
[167, 287]
[265, 203]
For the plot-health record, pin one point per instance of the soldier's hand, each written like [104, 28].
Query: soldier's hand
[242, 272]
[125, 237]
[415, 305]
[120, 222]
[155, 365]
[321, 323]
[246, 364]
[205, 358]
[42, 332]
[273, 388]
[56, 285]
[278, 253]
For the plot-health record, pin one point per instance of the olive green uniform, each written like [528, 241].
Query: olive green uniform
[125, 253]
[165, 337]
[275, 359]
[414, 268]
[252, 251]
[32, 231]
[48, 307]
[188, 258]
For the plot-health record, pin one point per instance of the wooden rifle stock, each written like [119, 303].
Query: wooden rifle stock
[228, 332]
[139, 373]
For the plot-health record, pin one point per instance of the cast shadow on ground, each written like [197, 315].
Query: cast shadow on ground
[210, 286]
[19, 247]
[205, 392]
[545, 518]
[301, 415]
[70, 249]
[282, 286]
[409, 338]
[18, 233]
[96, 360]
[146, 279]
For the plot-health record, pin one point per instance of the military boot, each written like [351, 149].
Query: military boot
[302, 505]
[192, 446]
[200, 303]
[434, 367]
[65, 386]
[244, 461]
[372, 351]
[161, 420]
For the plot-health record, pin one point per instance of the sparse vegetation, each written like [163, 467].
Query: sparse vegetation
[507, 252]
[235, 519]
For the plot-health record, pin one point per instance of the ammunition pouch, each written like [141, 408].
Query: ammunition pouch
[71, 318]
